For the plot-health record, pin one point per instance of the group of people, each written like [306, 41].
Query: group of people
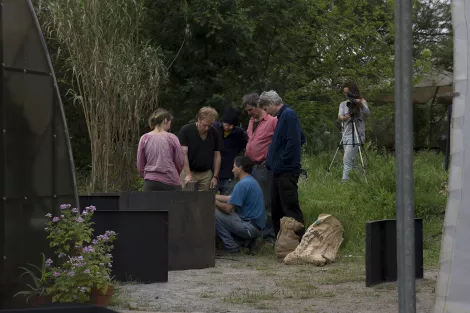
[255, 172]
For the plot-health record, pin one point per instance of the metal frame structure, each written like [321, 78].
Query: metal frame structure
[404, 156]
[37, 173]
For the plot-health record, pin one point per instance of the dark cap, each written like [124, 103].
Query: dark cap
[230, 116]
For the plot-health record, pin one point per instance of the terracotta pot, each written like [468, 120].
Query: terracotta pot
[99, 298]
[41, 300]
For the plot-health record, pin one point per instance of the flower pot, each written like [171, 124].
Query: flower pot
[99, 298]
[41, 300]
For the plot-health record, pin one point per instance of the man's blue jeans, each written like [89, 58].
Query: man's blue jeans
[264, 178]
[233, 231]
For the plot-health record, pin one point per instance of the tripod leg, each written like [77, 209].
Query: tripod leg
[337, 149]
[359, 145]
[329, 167]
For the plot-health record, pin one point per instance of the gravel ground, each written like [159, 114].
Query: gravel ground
[261, 284]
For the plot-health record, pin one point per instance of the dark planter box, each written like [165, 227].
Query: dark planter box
[381, 251]
[191, 215]
[191, 218]
[141, 249]
[102, 201]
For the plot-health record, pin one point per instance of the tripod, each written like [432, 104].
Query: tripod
[355, 136]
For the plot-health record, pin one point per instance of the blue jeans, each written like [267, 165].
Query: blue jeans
[233, 231]
[264, 178]
[225, 186]
[350, 152]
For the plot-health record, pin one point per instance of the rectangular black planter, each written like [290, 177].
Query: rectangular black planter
[102, 201]
[141, 248]
[191, 215]
[381, 251]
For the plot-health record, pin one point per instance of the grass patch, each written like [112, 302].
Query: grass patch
[359, 201]
[206, 295]
[247, 296]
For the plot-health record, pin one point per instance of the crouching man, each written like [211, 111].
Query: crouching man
[240, 217]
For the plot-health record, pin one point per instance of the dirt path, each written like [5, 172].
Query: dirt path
[261, 284]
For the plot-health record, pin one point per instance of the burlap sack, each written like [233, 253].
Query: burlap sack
[320, 243]
[287, 240]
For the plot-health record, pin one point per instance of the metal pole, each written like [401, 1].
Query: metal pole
[404, 157]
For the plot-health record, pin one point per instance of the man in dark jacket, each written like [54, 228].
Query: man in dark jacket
[234, 143]
[284, 159]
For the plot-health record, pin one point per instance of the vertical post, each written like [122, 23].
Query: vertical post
[2, 168]
[404, 157]
[449, 121]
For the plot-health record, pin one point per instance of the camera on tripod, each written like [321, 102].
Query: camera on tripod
[352, 103]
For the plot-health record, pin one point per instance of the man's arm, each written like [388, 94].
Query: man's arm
[217, 162]
[222, 198]
[293, 138]
[224, 207]
[186, 168]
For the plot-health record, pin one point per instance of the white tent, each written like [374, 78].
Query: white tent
[453, 286]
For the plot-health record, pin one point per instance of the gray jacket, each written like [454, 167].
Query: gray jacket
[347, 125]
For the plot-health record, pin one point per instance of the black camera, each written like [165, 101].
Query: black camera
[352, 104]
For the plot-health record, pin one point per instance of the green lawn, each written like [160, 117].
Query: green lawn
[359, 201]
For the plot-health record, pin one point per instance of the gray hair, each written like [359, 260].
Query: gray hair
[270, 97]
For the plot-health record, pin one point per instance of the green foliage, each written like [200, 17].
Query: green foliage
[39, 278]
[114, 75]
[84, 262]
[356, 202]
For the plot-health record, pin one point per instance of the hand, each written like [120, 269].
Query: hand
[213, 183]
[188, 178]
[346, 116]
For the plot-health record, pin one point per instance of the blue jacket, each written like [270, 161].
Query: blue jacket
[288, 138]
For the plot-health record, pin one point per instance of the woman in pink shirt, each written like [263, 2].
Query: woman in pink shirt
[160, 157]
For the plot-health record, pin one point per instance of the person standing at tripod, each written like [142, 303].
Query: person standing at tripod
[351, 114]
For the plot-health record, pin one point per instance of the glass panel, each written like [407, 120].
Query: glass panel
[28, 146]
[22, 42]
[25, 239]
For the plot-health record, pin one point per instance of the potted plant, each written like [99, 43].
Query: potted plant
[84, 263]
[38, 289]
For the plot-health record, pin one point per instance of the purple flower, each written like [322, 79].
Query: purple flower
[56, 274]
[109, 233]
[61, 255]
[55, 219]
[88, 249]
[79, 220]
[84, 212]
[80, 258]
[64, 206]
[71, 273]
[48, 262]
[95, 242]
[48, 215]
[87, 271]
[75, 210]
[62, 216]
[92, 208]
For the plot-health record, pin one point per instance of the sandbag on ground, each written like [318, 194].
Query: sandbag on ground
[320, 244]
[287, 240]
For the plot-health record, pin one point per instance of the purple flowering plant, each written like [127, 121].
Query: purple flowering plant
[84, 261]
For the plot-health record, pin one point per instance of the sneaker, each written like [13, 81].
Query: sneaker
[255, 245]
[223, 252]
